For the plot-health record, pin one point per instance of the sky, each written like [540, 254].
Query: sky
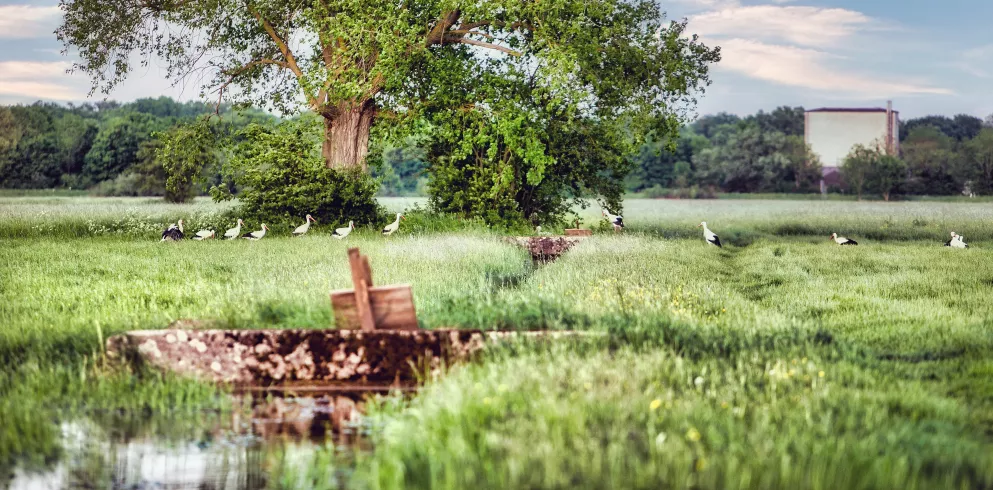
[927, 57]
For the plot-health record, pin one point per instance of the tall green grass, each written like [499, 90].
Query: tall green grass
[780, 361]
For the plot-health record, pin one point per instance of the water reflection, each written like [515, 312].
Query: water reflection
[278, 442]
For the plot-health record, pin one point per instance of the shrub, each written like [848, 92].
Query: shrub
[183, 151]
[282, 177]
[127, 184]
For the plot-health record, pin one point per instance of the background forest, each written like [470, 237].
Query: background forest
[110, 149]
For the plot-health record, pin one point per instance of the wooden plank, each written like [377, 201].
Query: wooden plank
[361, 280]
[578, 232]
[392, 308]
[367, 270]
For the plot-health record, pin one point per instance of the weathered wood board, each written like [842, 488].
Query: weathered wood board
[392, 308]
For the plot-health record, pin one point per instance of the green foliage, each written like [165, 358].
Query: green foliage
[616, 59]
[858, 166]
[184, 151]
[887, 175]
[10, 133]
[282, 178]
[115, 147]
[401, 170]
[45, 145]
[40, 144]
[982, 153]
[512, 143]
[960, 128]
[785, 119]
[745, 158]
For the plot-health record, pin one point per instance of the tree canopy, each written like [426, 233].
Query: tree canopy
[353, 61]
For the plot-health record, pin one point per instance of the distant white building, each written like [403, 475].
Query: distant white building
[832, 132]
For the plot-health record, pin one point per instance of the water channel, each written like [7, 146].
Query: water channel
[271, 442]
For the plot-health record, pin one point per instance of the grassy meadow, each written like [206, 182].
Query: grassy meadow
[779, 361]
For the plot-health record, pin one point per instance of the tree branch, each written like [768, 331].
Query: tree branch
[437, 34]
[233, 73]
[465, 40]
[291, 61]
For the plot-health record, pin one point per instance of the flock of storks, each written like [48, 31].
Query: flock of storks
[175, 231]
[710, 237]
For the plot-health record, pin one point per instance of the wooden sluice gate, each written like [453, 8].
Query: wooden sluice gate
[377, 347]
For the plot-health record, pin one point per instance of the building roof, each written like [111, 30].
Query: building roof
[850, 109]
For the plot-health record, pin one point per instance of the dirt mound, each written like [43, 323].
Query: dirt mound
[545, 249]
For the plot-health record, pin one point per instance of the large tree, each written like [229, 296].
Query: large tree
[935, 164]
[746, 158]
[859, 164]
[350, 61]
[981, 148]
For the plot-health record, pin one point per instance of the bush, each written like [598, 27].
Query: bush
[127, 184]
[183, 152]
[282, 178]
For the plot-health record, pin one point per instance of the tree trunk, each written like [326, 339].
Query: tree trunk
[346, 135]
[886, 196]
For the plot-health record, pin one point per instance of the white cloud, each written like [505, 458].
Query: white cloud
[38, 79]
[808, 26]
[975, 61]
[27, 21]
[980, 52]
[808, 68]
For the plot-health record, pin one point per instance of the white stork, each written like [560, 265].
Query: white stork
[343, 232]
[204, 234]
[174, 232]
[304, 227]
[840, 240]
[256, 235]
[614, 219]
[957, 241]
[709, 236]
[234, 232]
[390, 228]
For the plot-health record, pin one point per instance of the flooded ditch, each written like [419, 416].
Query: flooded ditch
[264, 441]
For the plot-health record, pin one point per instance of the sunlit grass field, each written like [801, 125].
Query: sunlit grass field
[780, 361]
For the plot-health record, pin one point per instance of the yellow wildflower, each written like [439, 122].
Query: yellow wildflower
[693, 434]
[820, 374]
[656, 403]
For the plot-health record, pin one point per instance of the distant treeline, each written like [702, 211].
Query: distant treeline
[109, 147]
[765, 152]
[104, 146]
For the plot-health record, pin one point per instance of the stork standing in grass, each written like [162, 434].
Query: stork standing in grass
[957, 241]
[343, 232]
[840, 240]
[256, 235]
[234, 232]
[709, 236]
[390, 228]
[204, 234]
[304, 227]
[174, 232]
[614, 219]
